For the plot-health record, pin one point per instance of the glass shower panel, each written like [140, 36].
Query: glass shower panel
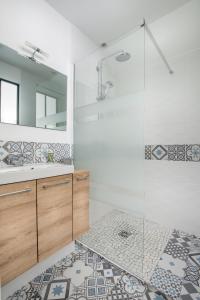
[109, 132]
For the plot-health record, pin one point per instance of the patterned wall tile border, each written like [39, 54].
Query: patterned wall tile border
[33, 152]
[185, 152]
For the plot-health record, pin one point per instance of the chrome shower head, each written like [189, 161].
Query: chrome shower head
[123, 56]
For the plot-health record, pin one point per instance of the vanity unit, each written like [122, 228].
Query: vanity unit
[39, 217]
[43, 206]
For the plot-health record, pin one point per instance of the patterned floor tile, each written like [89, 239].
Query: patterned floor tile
[43, 279]
[132, 286]
[195, 257]
[78, 272]
[85, 275]
[27, 292]
[192, 273]
[144, 243]
[97, 287]
[78, 293]
[65, 263]
[183, 239]
[109, 271]
[152, 294]
[166, 282]
[174, 265]
[118, 294]
[176, 251]
[189, 292]
[56, 289]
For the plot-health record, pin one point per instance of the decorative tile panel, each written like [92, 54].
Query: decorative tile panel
[177, 152]
[192, 152]
[148, 152]
[33, 152]
[159, 152]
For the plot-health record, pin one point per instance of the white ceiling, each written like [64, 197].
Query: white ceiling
[106, 20]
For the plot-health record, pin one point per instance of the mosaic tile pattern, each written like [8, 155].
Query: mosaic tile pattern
[173, 152]
[144, 245]
[33, 152]
[190, 292]
[181, 258]
[176, 251]
[167, 282]
[85, 275]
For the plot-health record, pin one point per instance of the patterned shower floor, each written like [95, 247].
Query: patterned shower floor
[131, 242]
[86, 275]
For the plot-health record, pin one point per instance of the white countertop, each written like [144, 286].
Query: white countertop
[11, 174]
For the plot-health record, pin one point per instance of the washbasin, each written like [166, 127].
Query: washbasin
[10, 174]
[29, 167]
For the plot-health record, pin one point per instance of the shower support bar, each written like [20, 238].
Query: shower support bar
[157, 47]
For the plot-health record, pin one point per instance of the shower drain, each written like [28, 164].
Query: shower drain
[125, 234]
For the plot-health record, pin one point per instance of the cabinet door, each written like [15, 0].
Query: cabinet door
[80, 203]
[18, 231]
[54, 207]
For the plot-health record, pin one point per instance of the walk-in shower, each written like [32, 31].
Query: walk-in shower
[103, 88]
[109, 142]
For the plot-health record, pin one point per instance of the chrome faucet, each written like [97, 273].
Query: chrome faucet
[16, 160]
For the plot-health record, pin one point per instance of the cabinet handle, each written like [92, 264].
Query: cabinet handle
[82, 178]
[55, 184]
[15, 193]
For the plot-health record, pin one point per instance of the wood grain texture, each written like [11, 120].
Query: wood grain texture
[80, 202]
[54, 210]
[18, 230]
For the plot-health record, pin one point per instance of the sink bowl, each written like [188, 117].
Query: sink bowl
[10, 169]
[31, 167]
[10, 174]
[28, 167]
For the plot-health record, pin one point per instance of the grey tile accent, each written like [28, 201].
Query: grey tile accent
[159, 152]
[33, 152]
[148, 152]
[193, 152]
[13, 147]
[176, 152]
[184, 152]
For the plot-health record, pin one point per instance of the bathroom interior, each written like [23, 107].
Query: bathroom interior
[99, 149]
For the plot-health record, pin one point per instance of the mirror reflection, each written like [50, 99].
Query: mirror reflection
[31, 94]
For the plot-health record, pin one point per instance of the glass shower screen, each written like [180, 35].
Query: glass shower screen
[109, 100]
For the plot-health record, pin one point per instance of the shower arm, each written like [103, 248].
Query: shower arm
[100, 71]
[146, 27]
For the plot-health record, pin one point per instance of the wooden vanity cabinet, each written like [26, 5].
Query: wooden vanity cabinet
[80, 203]
[54, 212]
[39, 217]
[18, 230]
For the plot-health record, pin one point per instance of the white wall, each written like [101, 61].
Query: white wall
[37, 22]
[172, 107]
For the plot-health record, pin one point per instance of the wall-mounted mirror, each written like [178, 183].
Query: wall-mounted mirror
[31, 94]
